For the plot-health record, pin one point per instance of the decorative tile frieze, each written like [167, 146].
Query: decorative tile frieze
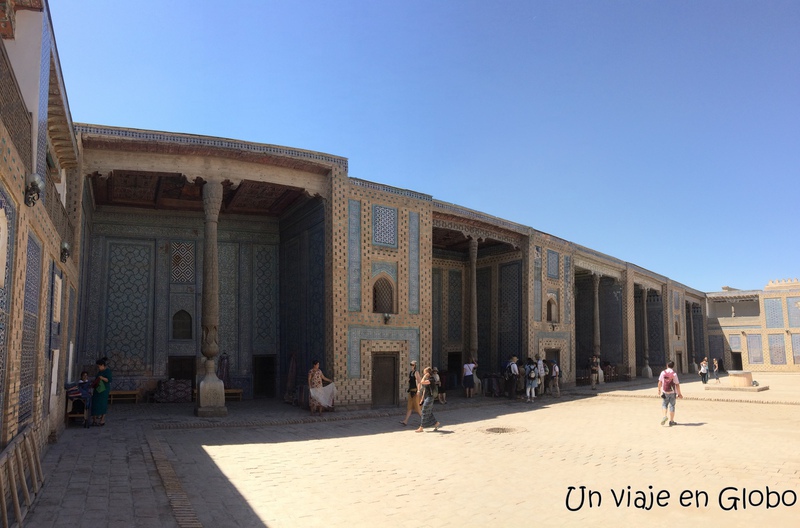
[354, 256]
[552, 264]
[793, 309]
[413, 263]
[389, 268]
[384, 226]
[755, 354]
[777, 349]
[182, 262]
[773, 312]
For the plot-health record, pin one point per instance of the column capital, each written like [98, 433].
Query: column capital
[212, 199]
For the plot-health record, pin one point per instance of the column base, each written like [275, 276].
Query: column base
[647, 372]
[211, 398]
[211, 412]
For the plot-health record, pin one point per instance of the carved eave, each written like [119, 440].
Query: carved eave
[597, 268]
[474, 228]
[644, 282]
[59, 122]
[151, 142]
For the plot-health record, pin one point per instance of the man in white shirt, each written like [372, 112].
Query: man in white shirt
[669, 388]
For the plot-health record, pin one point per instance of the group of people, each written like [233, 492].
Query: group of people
[94, 393]
[422, 391]
[704, 370]
[535, 377]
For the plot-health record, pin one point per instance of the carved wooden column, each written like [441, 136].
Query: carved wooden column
[693, 350]
[211, 391]
[473, 298]
[647, 372]
[596, 340]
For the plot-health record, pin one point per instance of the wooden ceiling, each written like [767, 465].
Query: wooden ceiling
[451, 240]
[173, 191]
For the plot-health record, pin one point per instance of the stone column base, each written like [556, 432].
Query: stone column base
[211, 398]
[647, 372]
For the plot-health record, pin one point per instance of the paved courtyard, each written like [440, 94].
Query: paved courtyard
[492, 462]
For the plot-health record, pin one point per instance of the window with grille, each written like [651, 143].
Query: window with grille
[383, 296]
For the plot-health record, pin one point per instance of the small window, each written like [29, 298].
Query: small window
[382, 296]
[182, 325]
[552, 311]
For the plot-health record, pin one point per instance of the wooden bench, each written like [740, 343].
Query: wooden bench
[233, 394]
[128, 396]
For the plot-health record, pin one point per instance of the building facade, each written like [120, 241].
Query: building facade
[757, 330]
[175, 254]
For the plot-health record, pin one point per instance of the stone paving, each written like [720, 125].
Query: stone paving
[493, 461]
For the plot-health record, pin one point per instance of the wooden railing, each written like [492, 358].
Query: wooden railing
[21, 477]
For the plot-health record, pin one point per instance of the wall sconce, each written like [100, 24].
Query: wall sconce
[386, 318]
[553, 327]
[34, 189]
[743, 332]
[64, 251]
[788, 331]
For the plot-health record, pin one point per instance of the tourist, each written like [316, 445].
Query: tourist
[469, 377]
[427, 419]
[555, 373]
[101, 386]
[669, 388]
[594, 371]
[441, 382]
[716, 370]
[512, 373]
[318, 396]
[704, 370]
[531, 380]
[413, 401]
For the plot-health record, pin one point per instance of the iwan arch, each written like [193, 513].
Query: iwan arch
[315, 264]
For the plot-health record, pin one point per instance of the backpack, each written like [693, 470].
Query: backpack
[533, 373]
[668, 385]
[434, 388]
[556, 371]
[508, 374]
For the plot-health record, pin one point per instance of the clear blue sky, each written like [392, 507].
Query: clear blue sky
[666, 134]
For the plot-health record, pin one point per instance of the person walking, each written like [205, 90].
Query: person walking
[594, 371]
[413, 401]
[716, 370]
[426, 390]
[669, 388]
